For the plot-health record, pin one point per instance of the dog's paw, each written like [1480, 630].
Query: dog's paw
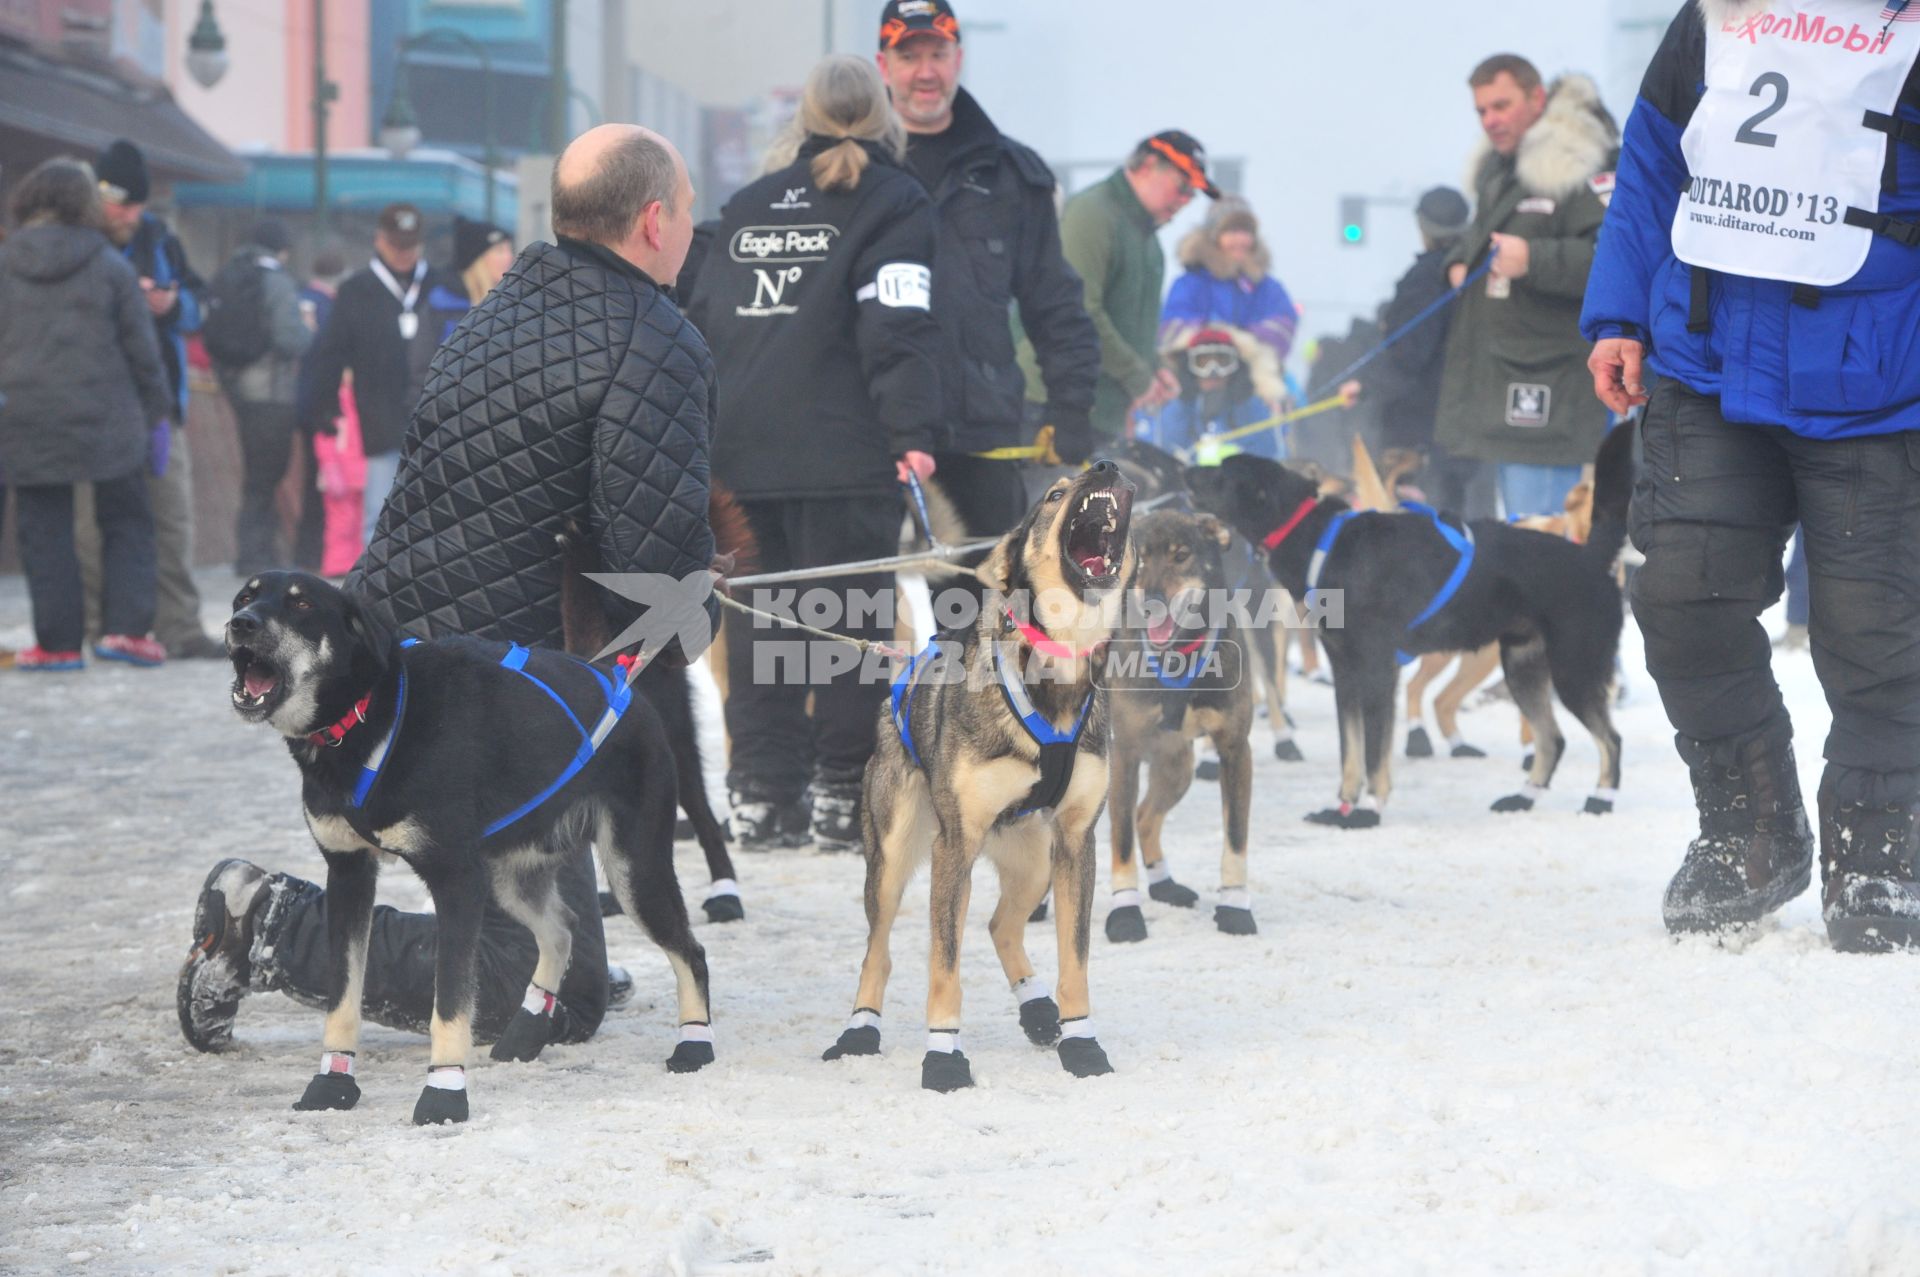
[1512, 803]
[690, 1057]
[1597, 806]
[1083, 1057]
[437, 1106]
[945, 1071]
[1207, 769]
[1126, 924]
[329, 1091]
[1039, 913]
[1419, 744]
[1464, 750]
[1234, 921]
[1288, 752]
[724, 908]
[1040, 1018]
[526, 1035]
[864, 1040]
[1169, 892]
[1345, 817]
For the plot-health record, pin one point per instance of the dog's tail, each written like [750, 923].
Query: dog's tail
[1612, 490]
[732, 536]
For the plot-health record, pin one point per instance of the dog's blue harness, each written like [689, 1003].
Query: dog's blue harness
[1460, 538]
[1058, 749]
[619, 695]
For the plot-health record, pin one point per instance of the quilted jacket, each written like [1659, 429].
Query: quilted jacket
[575, 392]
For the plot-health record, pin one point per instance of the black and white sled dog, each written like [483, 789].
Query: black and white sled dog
[995, 743]
[480, 764]
[1421, 582]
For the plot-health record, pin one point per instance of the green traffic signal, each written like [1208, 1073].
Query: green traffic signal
[1353, 233]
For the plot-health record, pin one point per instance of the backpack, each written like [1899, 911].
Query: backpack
[235, 329]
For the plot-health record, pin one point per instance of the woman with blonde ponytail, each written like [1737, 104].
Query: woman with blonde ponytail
[814, 300]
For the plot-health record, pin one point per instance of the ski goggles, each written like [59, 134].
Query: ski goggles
[1212, 360]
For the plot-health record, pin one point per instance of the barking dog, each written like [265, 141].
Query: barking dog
[1552, 605]
[996, 744]
[1182, 673]
[470, 761]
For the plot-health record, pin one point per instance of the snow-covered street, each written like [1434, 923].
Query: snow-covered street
[1461, 1043]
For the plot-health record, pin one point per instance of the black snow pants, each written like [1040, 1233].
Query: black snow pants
[1713, 508]
[772, 669]
[290, 955]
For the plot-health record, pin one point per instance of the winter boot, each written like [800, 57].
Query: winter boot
[1755, 851]
[1869, 853]
[762, 824]
[219, 965]
[836, 815]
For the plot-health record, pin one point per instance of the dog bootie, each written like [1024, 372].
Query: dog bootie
[1755, 851]
[333, 1087]
[945, 1066]
[1125, 923]
[218, 967]
[444, 1098]
[1419, 744]
[1080, 1054]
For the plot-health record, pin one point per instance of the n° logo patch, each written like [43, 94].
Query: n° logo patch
[1528, 404]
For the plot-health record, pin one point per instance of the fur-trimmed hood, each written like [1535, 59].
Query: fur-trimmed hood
[1259, 359]
[1200, 250]
[1572, 140]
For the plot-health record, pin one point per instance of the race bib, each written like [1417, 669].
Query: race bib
[1778, 150]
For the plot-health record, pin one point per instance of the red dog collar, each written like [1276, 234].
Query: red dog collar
[1273, 539]
[327, 737]
[1050, 646]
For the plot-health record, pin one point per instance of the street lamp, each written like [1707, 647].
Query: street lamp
[400, 128]
[206, 49]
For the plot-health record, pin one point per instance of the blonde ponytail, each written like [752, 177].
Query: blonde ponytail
[845, 99]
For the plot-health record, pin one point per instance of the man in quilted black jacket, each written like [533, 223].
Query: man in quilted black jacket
[576, 392]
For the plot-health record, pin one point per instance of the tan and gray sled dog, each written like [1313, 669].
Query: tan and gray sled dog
[995, 744]
[1181, 672]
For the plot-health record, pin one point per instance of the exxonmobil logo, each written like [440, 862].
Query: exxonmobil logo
[1805, 28]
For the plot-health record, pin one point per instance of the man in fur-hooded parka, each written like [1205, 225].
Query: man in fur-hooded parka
[1516, 389]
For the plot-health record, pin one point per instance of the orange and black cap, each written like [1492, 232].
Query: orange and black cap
[1184, 152]
[903, 19]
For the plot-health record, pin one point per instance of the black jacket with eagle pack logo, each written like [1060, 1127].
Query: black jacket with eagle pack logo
[816, 306]
[576, 392]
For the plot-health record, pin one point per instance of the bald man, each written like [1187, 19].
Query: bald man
[574, 394]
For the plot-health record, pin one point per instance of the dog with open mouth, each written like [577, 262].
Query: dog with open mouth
[995, 743]
[481, 765]
[1181, 672]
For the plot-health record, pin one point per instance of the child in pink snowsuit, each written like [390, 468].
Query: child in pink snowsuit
[342, 470]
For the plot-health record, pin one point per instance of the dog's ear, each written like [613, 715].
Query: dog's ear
[996, 570]
[1212, 527]
[369, 631]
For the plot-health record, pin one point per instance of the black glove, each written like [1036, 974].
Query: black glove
[1073, 436]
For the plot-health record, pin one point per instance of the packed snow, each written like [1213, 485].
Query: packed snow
[1460, 1043]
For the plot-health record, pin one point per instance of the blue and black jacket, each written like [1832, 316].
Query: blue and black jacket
[1824, 363]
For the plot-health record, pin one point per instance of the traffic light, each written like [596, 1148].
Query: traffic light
[1353, 220]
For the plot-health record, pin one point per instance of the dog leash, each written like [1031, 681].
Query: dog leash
[1432, 308]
